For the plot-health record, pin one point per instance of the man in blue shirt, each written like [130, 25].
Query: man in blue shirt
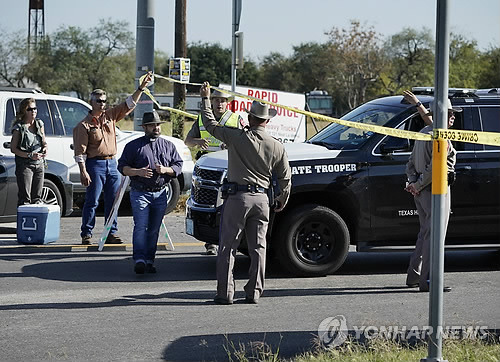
[150, 162]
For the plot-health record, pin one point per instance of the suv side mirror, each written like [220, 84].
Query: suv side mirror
[392, 145]
[6, 145]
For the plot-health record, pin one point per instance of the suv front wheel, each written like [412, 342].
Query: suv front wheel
[312, 241]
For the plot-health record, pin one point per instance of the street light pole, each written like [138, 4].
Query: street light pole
[144, 55]
[236, 25]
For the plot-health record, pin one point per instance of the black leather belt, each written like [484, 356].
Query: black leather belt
[147, 188]
[251, 188]
[102, 157]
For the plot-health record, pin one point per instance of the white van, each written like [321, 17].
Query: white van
[60, 114]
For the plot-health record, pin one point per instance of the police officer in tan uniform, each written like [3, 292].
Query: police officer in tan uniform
[199, 137]
[253, 156]
[419, 173]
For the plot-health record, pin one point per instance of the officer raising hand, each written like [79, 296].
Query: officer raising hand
[253, 157]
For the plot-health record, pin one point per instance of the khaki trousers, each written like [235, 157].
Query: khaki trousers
[418, 270]
[244, 213]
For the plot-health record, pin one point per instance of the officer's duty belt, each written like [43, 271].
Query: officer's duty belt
[251, 188]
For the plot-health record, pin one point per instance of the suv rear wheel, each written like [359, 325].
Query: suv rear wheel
[312, 241]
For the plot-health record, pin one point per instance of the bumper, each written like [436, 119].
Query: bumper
[68, 193]
[203, 223]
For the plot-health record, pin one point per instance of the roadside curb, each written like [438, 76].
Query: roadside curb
[62, 248]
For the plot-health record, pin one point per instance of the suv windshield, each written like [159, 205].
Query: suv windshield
[336, 136]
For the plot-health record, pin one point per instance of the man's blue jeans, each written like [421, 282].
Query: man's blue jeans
[148, 209]
[104, 177]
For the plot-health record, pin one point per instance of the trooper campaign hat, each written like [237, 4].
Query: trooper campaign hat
[261, 110]
[151, 118]
[450, 107]
[218, 94]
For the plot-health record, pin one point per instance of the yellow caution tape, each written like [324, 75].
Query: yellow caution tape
[486, 138]
[483, 138]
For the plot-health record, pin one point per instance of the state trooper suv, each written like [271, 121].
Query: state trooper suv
[348, 186]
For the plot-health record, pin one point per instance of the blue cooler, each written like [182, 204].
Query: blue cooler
[38, 223]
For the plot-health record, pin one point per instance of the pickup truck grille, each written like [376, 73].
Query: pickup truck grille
[206, 185]
[205, 196]
[207, 174]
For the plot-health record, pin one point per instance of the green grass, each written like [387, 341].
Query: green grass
[388, 351]
[376, 350]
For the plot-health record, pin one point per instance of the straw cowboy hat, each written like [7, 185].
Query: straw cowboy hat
[261, 110]
[218, 94]
[151, 118]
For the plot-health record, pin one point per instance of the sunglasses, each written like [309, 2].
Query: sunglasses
[31, 109]
[100, 100]
[451, 114]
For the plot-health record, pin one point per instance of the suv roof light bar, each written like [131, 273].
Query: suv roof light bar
[452, 92]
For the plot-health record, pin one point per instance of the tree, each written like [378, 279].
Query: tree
[311, 65]
[464, 62]
[72, 59]
[410, 55]
[209, 62]
[13, 55]
[489, 73]
[212, 63]
[275, 73]
[356, 63]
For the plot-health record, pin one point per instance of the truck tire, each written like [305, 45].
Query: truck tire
[173, 194]
[51, 195]
[312, 241]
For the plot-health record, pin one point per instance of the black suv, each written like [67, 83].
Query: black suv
[348, 186]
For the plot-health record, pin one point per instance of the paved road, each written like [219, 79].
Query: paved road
[89, 305]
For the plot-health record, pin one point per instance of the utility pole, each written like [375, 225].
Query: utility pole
[236, 47]
[144, 55]
[180, 52]
[36, 24]
[439, 185]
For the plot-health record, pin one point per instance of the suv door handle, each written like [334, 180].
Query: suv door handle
[464, 169]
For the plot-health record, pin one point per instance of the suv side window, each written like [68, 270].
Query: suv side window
[43, 114]
[490, 122]
[395, 144]
[56, 118]
[72, 113]
[463, 121]
[10, 114]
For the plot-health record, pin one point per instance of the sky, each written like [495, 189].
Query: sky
[268, 25]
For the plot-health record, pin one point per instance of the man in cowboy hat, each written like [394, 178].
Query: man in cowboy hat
[253, 156]
[151, 162]
[199, 137]
[419, 174]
